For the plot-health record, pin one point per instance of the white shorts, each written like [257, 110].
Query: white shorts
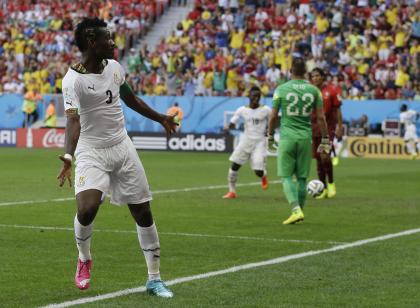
[116, 170]
[410, 134]
[253, 150]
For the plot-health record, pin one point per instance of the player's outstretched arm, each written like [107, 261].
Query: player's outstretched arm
[71, 139]
[139, 106]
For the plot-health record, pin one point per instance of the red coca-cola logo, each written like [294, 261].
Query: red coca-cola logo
[53, 139]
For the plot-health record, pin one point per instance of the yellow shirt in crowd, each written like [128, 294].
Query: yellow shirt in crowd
[160, 89]
[383, 39]
[322, 24]
[237, 39]
[231, 80]
[19, 46]
[208, 80]
[392, 16]
[414, 49]
[399, 39]
[186, 24]
[401, 78]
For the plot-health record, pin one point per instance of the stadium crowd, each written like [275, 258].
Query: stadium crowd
[36, 37]
[369, 47]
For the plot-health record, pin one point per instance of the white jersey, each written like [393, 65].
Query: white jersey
[256, 120]
[409, 118]
[97, 100]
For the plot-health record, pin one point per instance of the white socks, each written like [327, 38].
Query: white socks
[83, 236]
[232, 178]
[149, 243]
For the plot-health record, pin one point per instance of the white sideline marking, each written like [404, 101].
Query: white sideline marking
[176, 234]
[156, 192]
[235, 269]
[35, 201]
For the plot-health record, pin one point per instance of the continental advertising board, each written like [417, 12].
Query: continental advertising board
[387, 148]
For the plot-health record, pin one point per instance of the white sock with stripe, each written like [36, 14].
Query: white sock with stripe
[83, 235]
[149, 243]
[232, 178]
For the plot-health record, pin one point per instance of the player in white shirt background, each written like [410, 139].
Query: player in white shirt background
[106, 160]
[408, 118]
[253, 144]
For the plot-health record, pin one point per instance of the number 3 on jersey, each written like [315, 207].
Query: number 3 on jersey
[109, 94]
[293, 108]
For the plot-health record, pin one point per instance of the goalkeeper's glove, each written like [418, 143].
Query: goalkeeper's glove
[272, 144]
[324, 146]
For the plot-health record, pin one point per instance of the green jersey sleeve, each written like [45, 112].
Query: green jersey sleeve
[276, 99]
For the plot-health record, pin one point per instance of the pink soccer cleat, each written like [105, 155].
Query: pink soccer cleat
[82, 277]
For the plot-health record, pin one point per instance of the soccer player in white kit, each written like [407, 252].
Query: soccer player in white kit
[253, 144]
[106, 160]
[409, 117]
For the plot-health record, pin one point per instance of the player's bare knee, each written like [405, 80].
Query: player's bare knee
[88, 203]
[142, 214]
[86, 214]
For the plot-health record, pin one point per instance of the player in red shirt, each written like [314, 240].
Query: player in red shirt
[332, 104]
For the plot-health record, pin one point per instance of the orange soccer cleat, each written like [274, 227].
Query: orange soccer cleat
[264, 182]
[230, 195]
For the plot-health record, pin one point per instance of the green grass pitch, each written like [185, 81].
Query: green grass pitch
[201, 233]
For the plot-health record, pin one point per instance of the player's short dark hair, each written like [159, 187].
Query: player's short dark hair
[319, 71]
[403, 107]
[83, 29]
[254, 88]
[298, 66]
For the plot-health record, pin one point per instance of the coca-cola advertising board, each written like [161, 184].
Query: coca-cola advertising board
[40, 138]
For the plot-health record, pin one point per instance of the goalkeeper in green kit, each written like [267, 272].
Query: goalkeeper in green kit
[296, 99]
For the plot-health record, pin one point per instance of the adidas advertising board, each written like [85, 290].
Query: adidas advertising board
[183, 142]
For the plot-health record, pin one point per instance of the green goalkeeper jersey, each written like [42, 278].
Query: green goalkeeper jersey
[296, 99]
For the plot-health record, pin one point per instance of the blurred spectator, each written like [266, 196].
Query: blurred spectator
[407, 92]
[50, 119]
[29, 107]
[219, 82]
[362, 122]
[133, 61]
